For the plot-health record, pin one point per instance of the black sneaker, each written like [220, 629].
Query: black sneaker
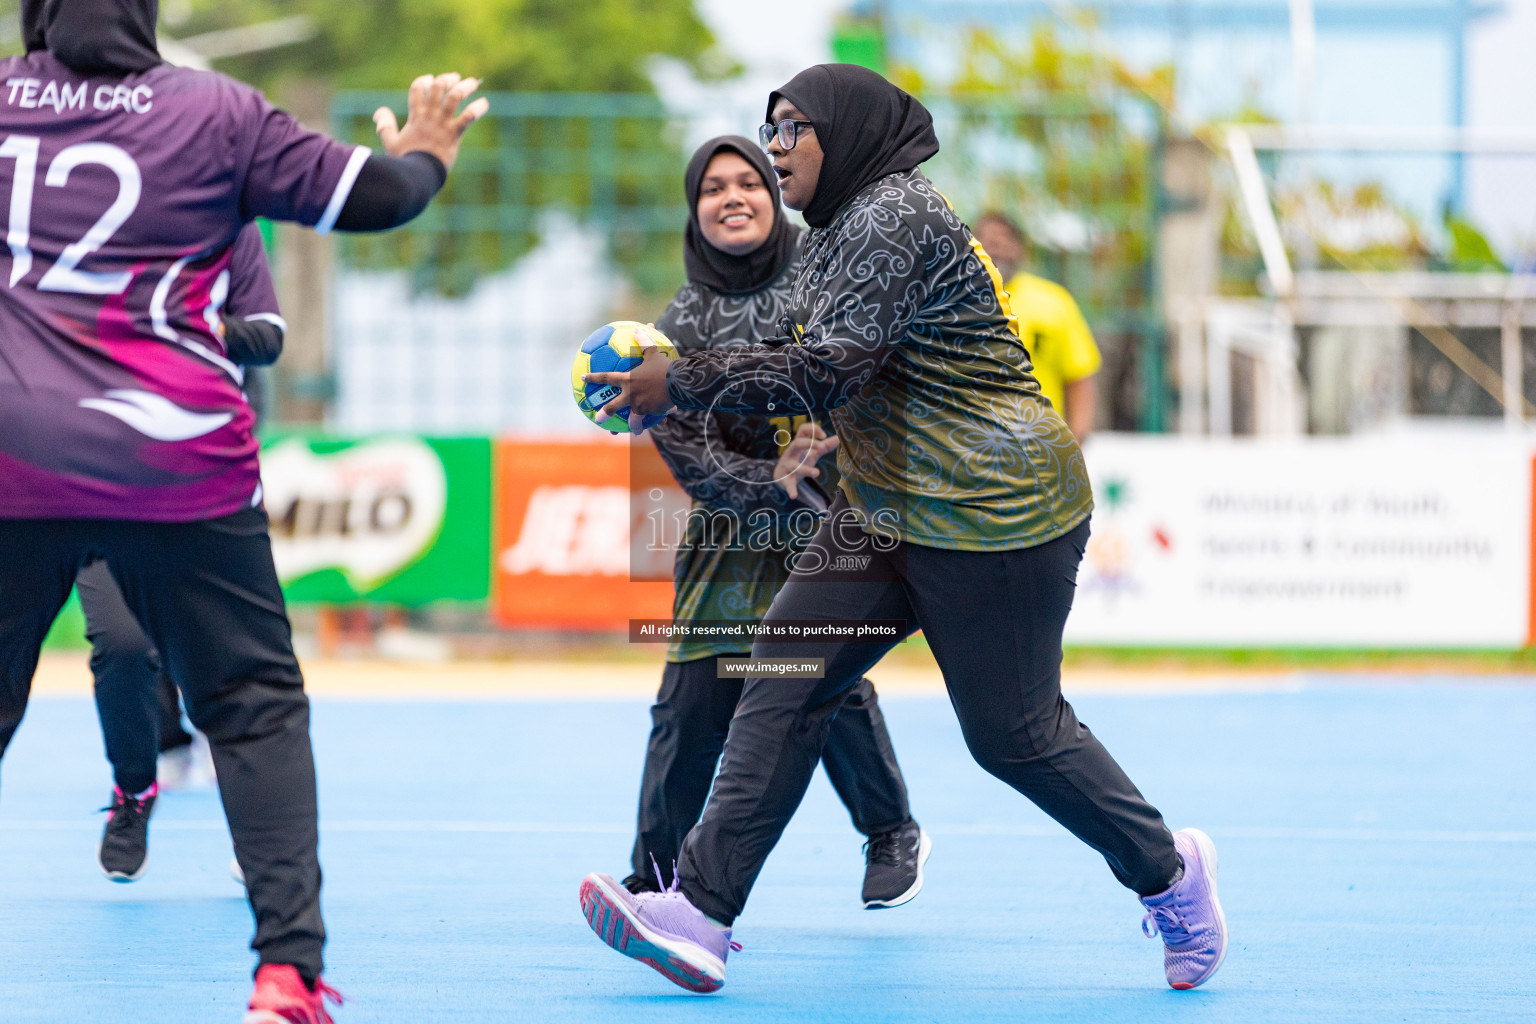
[893, 871]
[124, 851]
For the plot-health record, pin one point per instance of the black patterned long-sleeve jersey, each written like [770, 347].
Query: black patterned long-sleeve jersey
[906, 342]
[725, 461]
[721, 458]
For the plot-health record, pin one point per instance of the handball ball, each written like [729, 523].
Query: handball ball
[612, 348]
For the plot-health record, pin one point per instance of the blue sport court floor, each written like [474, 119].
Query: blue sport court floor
[1377, 842]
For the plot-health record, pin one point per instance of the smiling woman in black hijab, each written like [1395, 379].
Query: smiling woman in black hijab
[740, 252]
[963, 510]
[715, 268]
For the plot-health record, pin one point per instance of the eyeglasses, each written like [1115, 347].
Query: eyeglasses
[788, 131]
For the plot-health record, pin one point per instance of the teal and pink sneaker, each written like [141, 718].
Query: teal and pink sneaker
[660, 929]
[1188, 915]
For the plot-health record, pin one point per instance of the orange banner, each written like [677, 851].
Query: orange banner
[575, 542]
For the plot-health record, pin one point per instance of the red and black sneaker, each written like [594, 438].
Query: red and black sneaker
[281, 997]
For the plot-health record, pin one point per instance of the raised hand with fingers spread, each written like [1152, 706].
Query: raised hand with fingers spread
[433, 122]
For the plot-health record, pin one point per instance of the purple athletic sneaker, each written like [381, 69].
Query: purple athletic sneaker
[661, 929]
[1188, 916]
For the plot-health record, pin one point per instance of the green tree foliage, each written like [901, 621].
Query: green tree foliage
[523, 161]
[1470, 249]
[613, 164]
[514, 45]
[1061, 137]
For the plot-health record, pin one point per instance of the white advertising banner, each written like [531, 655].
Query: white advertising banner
[1392, 542]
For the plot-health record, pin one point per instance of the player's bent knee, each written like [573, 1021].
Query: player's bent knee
[120, 654]
[1002, 753]
[248, 709]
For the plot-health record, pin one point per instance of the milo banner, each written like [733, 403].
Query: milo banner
[398, 519]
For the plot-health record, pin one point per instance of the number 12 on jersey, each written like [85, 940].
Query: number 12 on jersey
[65, 275]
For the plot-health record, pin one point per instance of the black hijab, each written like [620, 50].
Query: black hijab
[94, 37]
[867, 128]
[715, 268]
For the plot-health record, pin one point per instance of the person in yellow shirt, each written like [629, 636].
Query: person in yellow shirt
[1051, 326]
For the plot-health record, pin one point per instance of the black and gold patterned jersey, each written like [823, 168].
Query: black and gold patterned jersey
[725, 462]
[900, 332]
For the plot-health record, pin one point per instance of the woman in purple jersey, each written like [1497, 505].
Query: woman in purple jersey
[123, 431]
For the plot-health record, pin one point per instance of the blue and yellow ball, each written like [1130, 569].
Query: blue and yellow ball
[611, 348]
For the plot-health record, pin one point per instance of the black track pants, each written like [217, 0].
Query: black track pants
[207, 595]
[688, 727]
[136, 700]
[994, 621]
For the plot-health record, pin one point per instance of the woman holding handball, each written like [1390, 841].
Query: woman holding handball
[963, 509]
[756, 485]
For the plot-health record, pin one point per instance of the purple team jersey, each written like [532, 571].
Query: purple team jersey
[248, 287]
[123, 198]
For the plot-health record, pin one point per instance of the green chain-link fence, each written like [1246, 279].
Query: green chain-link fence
[567, 210]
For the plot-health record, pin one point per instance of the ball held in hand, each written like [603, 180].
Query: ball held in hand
[612, 348]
